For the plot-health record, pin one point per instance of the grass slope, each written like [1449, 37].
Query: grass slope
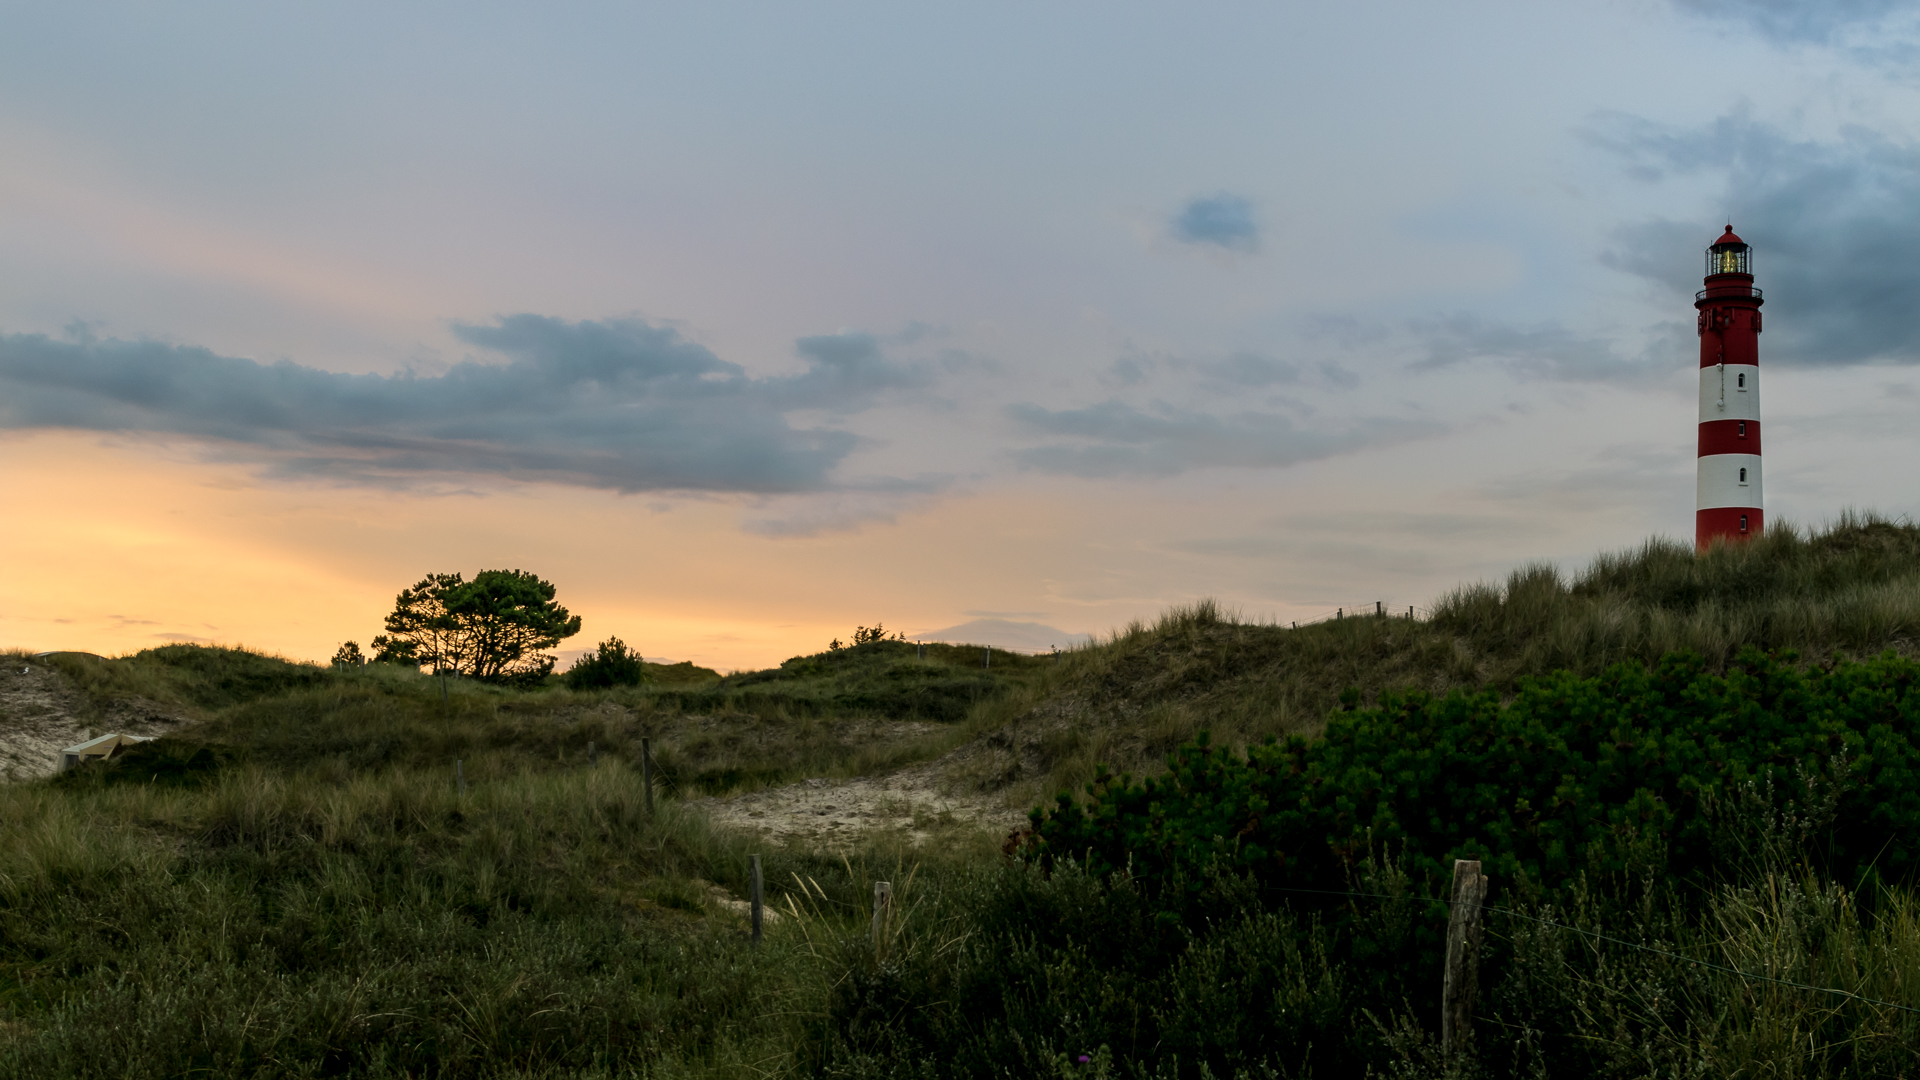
[299, 886]
[1850, 589]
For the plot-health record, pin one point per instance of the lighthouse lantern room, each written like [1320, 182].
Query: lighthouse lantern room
[1728, 503]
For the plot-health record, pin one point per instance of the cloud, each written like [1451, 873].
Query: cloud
[1232, 374]
[1224, 221]
[1817, 22]
[617, 404]
[1007, 634]
[1251, 370]
[840, 511]
[1549, 352]
[1832, 225]
[1114, 439]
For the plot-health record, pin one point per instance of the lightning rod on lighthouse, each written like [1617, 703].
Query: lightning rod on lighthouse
[1728, 504]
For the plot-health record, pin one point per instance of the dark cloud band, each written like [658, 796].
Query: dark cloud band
[1793, 21]
[617, 404]
[1831, 222]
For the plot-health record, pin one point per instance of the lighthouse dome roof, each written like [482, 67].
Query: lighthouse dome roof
[1728, 238]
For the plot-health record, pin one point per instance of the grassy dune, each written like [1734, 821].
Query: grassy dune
[295, 885]
[1852, 589]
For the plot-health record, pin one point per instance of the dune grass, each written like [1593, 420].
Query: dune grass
[276, 923]
[1851, 588]
[317, 895]
[829, 716]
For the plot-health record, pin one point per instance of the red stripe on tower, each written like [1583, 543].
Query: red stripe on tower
[1727, 503]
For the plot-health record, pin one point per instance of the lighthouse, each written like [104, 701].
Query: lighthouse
[1728, 503]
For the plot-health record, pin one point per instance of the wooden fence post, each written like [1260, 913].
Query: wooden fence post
[593, 758]
[882, 900]
[460, 776]
[1462, 981]
[755, 894]
[646, 772]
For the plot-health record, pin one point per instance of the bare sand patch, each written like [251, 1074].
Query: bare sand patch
[910, 803]
[40, 715]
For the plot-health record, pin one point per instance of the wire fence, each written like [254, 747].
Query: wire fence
[1369, 609]
[1612, 940]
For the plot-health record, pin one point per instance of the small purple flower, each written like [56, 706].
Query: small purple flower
[1084, 1059]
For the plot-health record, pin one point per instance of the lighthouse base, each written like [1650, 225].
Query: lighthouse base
[1732, 524]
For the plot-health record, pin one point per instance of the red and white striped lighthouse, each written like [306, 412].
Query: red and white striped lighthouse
[1728, 503]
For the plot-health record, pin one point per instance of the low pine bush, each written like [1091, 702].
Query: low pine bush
[610, 664]
[1642, 768]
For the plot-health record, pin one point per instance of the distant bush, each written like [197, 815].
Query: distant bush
[348, 655]
[610, 664]
[1638, 769]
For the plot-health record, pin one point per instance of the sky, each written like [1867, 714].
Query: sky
[748, 324]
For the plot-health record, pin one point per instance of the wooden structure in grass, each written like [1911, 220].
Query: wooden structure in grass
[99, 749]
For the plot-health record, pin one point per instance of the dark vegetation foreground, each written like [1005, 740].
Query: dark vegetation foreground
[1692, 779]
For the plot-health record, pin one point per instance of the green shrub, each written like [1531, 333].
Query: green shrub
[610, 664]
[1638, 769]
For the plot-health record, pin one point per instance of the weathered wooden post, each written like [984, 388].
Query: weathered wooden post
[882, 900]
[460, 776]
[646, 772]
[593, 758]
[1462, 981]
[1379, 609]
[755, 893]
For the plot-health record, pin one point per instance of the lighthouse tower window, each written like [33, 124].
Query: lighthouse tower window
[1743, 381]
[1743, 476]
[1743, 429]
[1743, 523]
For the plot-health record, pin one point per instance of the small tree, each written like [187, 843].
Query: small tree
[419, 630]
[490, 628]
[349, 655]
[867, 635]
[610, 664]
